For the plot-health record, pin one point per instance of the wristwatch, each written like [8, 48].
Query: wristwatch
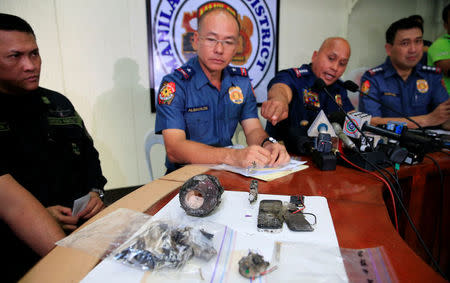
[272, 140]
[100, 193]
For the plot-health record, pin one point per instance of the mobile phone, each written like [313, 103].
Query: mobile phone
[270, 218]
[297, 222]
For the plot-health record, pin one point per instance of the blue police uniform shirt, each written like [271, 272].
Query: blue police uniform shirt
[189, 102]
[420, 94]
[306, 103]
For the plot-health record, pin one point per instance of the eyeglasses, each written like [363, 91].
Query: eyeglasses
[212, 42]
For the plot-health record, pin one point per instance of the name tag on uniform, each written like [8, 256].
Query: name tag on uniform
[390, 94]
[197, 109]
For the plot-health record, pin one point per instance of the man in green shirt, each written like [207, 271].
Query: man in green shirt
[439, 51]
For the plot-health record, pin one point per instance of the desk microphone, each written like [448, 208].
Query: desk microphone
[340, 133]
[404, 136]
[353, 87]
[318, 85]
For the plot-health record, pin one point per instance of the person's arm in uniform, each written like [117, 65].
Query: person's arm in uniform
[93, 174]
[256, 138]
[94, 182]
[27, 217]
[439, 116]
[181, 150]
[255, 134]
[276, 107]
[279, 95]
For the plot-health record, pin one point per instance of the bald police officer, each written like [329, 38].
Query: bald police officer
[293, 104]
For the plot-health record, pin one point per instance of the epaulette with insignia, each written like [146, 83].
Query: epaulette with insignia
[186, 71]
[236, 71]
[373, 71]
[300, 71]
[431, 69]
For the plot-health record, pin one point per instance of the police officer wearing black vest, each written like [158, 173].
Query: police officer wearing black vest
[44, 145]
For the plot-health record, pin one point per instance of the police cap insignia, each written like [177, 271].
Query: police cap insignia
[167, 93]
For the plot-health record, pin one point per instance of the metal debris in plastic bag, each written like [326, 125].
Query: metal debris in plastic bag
[166, 246]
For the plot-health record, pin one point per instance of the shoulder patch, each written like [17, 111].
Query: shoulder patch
[236, 71]
[300, 72]
[186, 72]
[373, 71]
[431, 69]
[365, 87]
[167, 93]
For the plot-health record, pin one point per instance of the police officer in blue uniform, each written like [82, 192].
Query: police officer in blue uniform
[44, 148]
[403, 83]
[200, 103]
[293, 104]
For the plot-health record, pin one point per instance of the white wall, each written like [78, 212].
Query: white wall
[95, 52]
[304, 24]
[369, 21]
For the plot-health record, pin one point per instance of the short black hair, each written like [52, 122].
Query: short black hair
[14, 23]
[405, 23]
[445, 13]
[417, 18]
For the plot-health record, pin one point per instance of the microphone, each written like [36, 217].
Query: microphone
[320, 125]
[349, 85]
[323, 131]
[405, 136]
[319, 85]
[345, 139]
[353, 87]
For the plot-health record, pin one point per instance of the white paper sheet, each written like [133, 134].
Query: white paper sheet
[80, 204]
[265, 173]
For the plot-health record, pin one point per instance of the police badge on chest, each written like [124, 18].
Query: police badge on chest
[311, 99]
